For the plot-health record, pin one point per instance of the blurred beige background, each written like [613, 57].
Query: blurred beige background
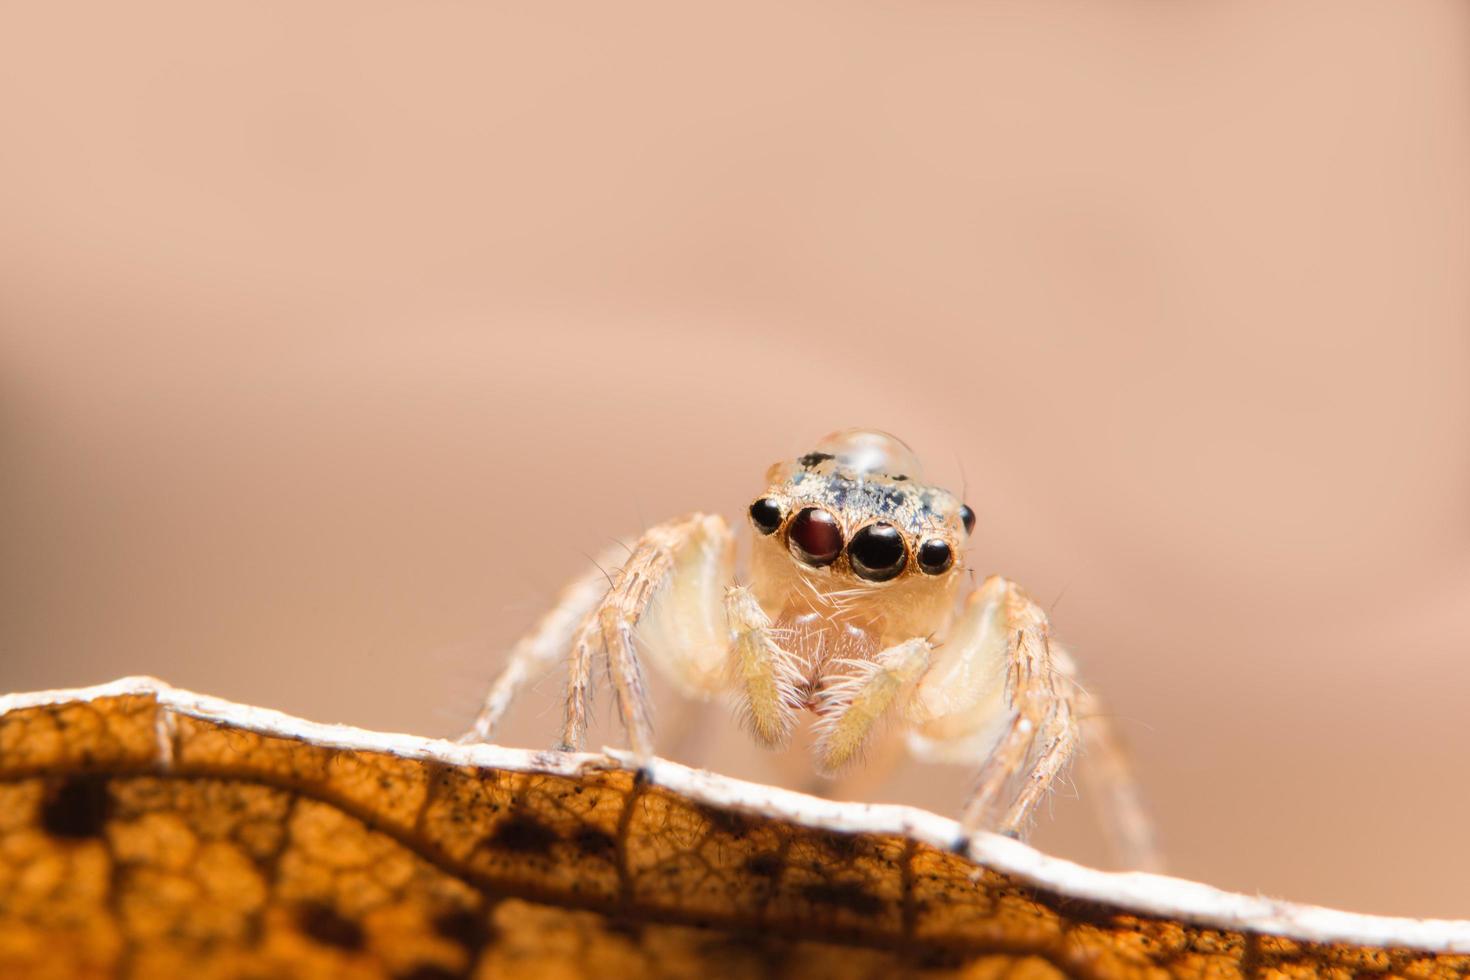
[333, 335]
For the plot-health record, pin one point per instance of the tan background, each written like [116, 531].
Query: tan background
[333, 335]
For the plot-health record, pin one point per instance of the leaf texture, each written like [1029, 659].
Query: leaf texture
[149, 832]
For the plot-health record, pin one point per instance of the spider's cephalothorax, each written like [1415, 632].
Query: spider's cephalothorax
[853, 551]
[850, 612]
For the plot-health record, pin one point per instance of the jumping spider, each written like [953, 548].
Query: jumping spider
[850, 613]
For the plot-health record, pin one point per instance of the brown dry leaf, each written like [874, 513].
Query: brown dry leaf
[149, 832]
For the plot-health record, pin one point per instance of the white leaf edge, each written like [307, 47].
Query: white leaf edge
[1136, 892]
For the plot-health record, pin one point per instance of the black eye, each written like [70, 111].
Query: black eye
[968, 516]
[935, 556]
[877, 552]
[815, 537]
[765, 514]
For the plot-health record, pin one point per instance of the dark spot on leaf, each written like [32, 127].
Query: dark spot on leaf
[936, 958]
[472, 930]
[625, 926]
[844, 846]
[328, 927]
[1083, 910]
[77, 809]
[429, 971]
[523, 834]
[594, 842]
[726, 822]
[763, 865]
[844, 894]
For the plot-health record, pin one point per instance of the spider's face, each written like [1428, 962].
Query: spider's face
[853, 522]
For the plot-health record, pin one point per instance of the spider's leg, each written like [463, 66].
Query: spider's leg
[1109, 779]
[1014, 702]
[994, 693]
[1057, 738]
[666, 599]
[767, 678]
[854, 706]
[578, 699]
[536, 652]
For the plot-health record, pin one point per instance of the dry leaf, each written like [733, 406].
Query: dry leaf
[150, 832]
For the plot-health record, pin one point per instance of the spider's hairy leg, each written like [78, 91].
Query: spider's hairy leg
[1042, 722]
[855, 705]
[995, 694]
[1003, 695]
[766, 676]
[666, 599]
[1054, 741]
[536, 652]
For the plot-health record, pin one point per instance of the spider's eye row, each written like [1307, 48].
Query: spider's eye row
[968, 517]
[766, 515]
[935, 556]
[815, 537]
[877, 552]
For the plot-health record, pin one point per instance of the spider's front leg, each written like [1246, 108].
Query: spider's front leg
[995, 693]
[856, 705]
[1001, 694]
[767, 678]
[668, 600]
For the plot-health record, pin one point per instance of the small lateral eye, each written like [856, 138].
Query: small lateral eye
[935, 556]
[815, 537]
[877, 552]
[968, 517]
[765, 514]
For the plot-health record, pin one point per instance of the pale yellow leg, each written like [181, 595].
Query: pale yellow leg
[537, 652]
[627, 676]
[1054, 745]
[1040, 701]
[685, 561]
[766, 677]
[1002, 692]
[856, 705]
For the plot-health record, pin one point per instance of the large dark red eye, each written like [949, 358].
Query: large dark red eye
[815, 537]
[877, 552]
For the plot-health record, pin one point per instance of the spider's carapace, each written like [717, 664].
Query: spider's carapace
[891, 560]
